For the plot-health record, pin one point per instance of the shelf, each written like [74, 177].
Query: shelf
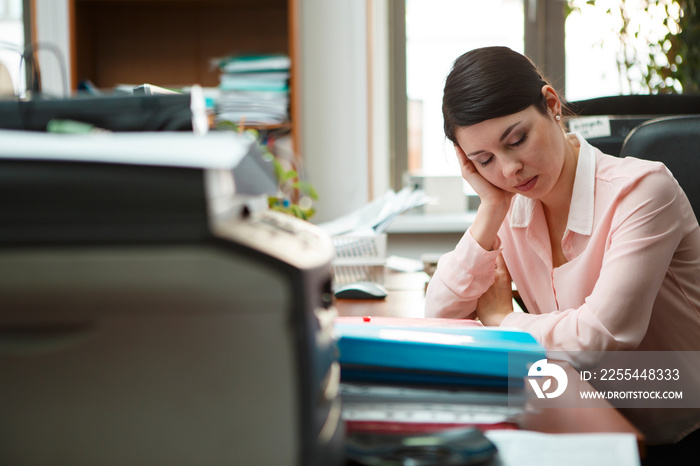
[171, 43]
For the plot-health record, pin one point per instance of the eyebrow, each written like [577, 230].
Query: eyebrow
[503, 136]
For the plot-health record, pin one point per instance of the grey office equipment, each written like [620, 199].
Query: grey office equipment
[150, 314]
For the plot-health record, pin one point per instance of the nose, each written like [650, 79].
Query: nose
[511, 166]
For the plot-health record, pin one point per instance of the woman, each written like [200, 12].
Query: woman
[604, 251]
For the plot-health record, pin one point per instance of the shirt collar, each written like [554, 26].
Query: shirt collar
[582, 199]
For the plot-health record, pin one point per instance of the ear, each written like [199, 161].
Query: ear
[552, 99]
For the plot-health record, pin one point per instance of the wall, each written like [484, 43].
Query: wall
[334, 105]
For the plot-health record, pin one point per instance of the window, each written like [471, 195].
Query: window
[585, 33]
[437, 32]
[575, 42]
[594, 46]
[12, 41]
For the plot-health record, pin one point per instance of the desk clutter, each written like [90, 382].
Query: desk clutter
[253, 90]
[434, 352]
[432, 392]
[360, 240]
[436, 378]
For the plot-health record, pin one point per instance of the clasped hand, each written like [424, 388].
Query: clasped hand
[494, 305]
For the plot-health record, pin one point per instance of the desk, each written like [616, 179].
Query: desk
[406, 298]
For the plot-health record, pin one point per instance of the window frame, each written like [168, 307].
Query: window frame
[544, 44]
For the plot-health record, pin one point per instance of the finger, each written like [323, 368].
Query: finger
[466, 165]
[501, 266]
[460, 154]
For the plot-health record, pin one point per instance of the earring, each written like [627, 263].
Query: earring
[558, 117]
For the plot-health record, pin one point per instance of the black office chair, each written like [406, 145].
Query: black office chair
[675, 141]
[624, 112]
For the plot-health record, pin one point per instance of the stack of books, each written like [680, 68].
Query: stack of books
[420, 375]
[254, 90]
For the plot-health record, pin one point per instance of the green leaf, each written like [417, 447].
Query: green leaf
[254, 132]
[279, 169]
[226, 125]
[296, 210]
[307, 188]
[289, 175]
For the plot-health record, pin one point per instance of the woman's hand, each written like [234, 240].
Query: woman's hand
[488, 193]
[493, 207]
[497, 302]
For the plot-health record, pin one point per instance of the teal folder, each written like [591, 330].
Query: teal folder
[430, 354]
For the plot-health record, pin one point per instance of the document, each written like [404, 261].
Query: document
[375, 217]
[528, 448]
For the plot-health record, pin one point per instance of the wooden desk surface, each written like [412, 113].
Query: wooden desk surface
[406, 298]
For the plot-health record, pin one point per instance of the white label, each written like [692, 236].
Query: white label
[591, 127]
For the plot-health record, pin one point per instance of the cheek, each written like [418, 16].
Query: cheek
[491, 174]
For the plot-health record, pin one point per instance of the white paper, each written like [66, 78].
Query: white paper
[223, 150]
[403, 264]
[375, 217]
[527, 448]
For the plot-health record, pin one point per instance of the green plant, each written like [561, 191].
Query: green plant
[294, 196]
[658, 42]
[683, 51]
[291, 187]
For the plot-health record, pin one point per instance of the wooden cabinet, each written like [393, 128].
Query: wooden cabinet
[171, 42]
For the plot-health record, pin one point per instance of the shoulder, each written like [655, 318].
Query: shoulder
[623, 175]
[635, 188]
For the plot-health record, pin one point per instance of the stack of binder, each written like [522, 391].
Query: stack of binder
[418, 375]
[254, 90]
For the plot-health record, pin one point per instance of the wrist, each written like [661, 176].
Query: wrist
[496, 318]
[486, 224]
[496, 210]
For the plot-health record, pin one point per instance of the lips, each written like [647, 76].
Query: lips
[528, 185]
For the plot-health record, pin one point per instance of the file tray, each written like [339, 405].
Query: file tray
[472, 355]
[359, 258]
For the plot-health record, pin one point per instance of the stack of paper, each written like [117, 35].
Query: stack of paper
[254, 90]
[427, 375]
[375, 217]
[467, 355]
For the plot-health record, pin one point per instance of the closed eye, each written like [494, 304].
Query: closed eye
[520, 141]
[487, 161]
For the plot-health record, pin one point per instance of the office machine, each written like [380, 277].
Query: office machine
[152, 313]
[113, 112]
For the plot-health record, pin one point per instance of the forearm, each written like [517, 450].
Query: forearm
[462, 276]
[487, 222]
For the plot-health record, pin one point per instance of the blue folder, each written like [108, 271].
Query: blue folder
[477, 356]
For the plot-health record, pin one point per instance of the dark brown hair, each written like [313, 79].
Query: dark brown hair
[488, 83]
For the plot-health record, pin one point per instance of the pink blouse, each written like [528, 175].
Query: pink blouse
[632, 280]
[632, 276]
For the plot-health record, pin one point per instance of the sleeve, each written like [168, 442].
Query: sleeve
[647, 227]
[461, 277]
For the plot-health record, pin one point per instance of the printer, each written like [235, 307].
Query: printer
[154, 312]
